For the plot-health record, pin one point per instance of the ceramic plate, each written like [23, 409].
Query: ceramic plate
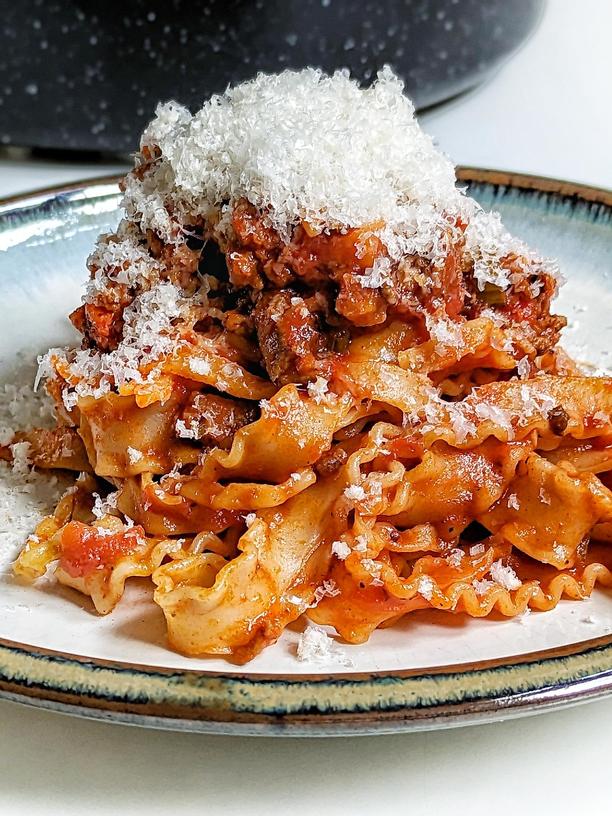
[430, 671]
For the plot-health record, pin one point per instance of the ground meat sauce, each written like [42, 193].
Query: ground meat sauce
[290, 339]
[525, 304]
[259, 259]
[265, 289]
[214, 419]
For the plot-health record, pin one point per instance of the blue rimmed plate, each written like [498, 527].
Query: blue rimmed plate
[431, 670]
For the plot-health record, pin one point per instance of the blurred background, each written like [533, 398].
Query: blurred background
[514, 84]
[82, 77]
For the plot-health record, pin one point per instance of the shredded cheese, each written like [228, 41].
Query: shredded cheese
[315, 646]
[505, 576]
[281, 142]
[426, 587]
[354, 493]
[455, 557]
[340, 549]
[133, 455]
[318, 390]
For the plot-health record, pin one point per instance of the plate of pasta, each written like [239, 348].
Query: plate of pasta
[300, 433]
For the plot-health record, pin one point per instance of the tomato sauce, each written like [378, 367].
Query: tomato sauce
[84, 549]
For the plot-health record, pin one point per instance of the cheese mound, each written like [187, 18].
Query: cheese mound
[301, 145]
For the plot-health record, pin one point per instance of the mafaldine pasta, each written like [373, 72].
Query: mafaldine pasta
[317, 379]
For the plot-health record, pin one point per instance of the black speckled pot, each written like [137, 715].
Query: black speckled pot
[87, 75]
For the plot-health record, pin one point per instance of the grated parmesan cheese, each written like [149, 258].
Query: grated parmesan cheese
[185, 431]
[505, 576]
[425, 587]
[133, 455]
[361, 544]
[498, 416]
[462, 426]
[103, 507]
[318, 390]
[120, 258]
[523, 368]
[341, 550]
[483, 586]
[328, 589]
[543, 496]
[536, 401]
[444, 332]
[20, 452]
[522, 618]
[374, 569]
[354, 493]
[6, 435]
[455, 557]
[148, 334]
[199, 366]
[489, 243]
[377, 275]
[513, 502]
[26, 495]
[300, 146]
[315, 646]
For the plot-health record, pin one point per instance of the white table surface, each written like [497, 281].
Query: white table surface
[547, 112]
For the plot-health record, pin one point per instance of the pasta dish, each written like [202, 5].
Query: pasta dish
[316, 379]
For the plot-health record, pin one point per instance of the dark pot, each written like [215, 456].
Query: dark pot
[87, 75]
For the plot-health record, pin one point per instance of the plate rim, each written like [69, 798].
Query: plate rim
[350, 703]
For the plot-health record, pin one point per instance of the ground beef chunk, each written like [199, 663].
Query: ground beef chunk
[100, 324]
[100, 318]
[331, 461]
[525, 304]
[558, 419]
[244, 269]
[250, 229]
[528, 304]
[214, 420]
[362, 306]
[179, 262]
[56, 448]
[290, 338]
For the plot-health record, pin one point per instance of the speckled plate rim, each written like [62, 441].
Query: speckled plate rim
[309, 705]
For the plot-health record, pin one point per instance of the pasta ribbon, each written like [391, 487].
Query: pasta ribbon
[253, 597]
